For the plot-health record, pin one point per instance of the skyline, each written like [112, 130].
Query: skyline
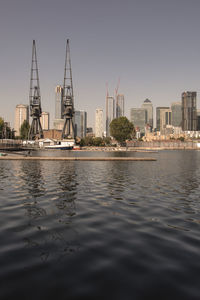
[151, 45]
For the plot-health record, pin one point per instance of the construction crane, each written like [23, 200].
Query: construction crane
[35, 131]
[107, 94]
[117, 99]
[68, 98]
[117, 88]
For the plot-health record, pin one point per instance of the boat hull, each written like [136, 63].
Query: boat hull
[59, 147]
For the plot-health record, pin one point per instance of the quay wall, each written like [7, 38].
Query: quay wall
[174, 145]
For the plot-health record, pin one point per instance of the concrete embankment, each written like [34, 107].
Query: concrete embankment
[78, 158]
[164, 145]
[114, 149]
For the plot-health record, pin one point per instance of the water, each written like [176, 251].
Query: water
[101, 230]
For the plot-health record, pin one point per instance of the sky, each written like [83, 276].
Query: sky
[153, 46]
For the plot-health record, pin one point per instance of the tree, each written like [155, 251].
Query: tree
[121, 129]
[107, 140]
[1, 127]
[24, 130]
[181, 138]
[86, 141]
[98, 141]
[92, 141]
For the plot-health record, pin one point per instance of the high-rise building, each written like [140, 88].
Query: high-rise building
[139, 118]
[176, 109]
[99, 122]
[165, 119]
[59, 102]
[158, 110]
[198, 119]
[110, 113]
[80, 121]
[189, 111]
[44, 120]
[58, 124]
[119, 105]
[21, 115]
[89, 131]
[147, 104]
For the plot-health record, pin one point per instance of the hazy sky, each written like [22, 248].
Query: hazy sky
[152, 45]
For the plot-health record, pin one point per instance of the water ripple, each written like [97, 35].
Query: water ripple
[101, 230]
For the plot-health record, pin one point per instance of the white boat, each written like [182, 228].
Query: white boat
[62, 145]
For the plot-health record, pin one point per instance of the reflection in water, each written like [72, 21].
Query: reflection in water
[4, 169]
[74, 233]
[66, 237]
[2, 172]
[2, 176]
[32, 176]
[189, 176]
[177, 184]
[185, 164]
[50, 242]
[188, 183]
[116, 173]
[67, 182]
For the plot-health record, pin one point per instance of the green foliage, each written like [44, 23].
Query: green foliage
[24, 130]
[92, 141]
[182, 139]
[1, 127]
[95, 141]
[122, 129]
[98, 141]
[1, 123]
[107, 140]
[87, 141]
[81, 143]
[5, 130]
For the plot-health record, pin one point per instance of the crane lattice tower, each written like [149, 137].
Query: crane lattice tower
[35, 131]
[68, 98]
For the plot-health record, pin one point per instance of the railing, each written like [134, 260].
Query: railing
[8, 143]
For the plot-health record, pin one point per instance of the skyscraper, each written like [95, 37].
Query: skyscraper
[165, 119]
[58, 124]
[44, 120]
[21, 115]
[59, 102]
[110, 113]
[198, 119]
[139, 118]
[147, 104]
[80, 121]
[189, 111]
[176, 109]
[158, 111]
[119, 105]
[99, 122]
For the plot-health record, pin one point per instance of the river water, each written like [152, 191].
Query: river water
[101, 230]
